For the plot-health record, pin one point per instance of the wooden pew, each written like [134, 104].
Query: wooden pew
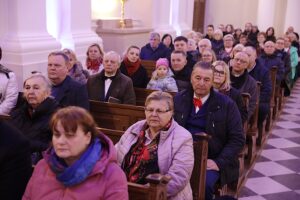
[270, 117]
[5, 117]
[156, 189]
[199, 172]
[200, 155]
[149, 65]
[252, 131]
[141, 94]
[116, 116]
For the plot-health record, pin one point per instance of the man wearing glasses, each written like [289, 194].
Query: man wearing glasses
[242, 81]
[201, 109]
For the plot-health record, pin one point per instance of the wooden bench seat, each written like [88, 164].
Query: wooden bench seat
[116, 116]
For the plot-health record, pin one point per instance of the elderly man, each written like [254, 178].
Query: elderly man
[268, 59]
[65, 90]
[204, 44]
[154, 49]
[111, 85]
[242, 81]
[201, 109]
[261, 74]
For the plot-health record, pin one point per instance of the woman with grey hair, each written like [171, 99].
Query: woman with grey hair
[33, 116]
[221, 83]
[158, 144]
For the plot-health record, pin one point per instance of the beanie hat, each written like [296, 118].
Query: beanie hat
[162, 61]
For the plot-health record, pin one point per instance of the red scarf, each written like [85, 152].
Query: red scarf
[131, 67]
[94, 64]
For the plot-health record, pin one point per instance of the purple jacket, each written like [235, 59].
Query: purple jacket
[106, 181]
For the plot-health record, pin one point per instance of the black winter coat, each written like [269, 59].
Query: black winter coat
[223, 124]
[15, 162]
[36, 127]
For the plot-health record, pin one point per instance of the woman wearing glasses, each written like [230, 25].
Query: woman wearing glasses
[158, 145]
[221, 82]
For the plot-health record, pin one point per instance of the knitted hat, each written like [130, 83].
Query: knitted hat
[162, 61]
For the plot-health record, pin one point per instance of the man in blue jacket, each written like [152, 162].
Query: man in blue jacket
[154, 49]
[201, 109]
[65, 90]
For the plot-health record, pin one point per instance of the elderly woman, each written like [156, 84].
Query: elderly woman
[158, 145]
[208, 55]
[76, 71]
[131, 67]
[32, 118]
[80, 165]
[94, 59]
[221, 82]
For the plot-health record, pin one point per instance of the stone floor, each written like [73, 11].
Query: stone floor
[276, 173]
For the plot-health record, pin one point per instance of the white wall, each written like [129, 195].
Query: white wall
[236, 12]
[137, 10]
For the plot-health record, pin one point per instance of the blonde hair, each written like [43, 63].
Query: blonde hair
[226, 85]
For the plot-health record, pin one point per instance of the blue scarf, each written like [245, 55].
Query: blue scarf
[78, 171]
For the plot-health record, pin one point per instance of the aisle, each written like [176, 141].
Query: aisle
[276, 174]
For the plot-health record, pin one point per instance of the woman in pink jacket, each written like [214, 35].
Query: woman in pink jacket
[158, 145]
[80, 165]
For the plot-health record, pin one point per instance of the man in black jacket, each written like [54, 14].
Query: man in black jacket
[15, 162]
[201, 109]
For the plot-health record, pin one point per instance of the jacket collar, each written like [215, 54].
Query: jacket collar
[163, 134]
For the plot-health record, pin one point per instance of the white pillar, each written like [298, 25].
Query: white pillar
[292, 11]
[26, 42]
[162, 17]
[70, 23]
[182, 16]
[266, 14]
[81, 28]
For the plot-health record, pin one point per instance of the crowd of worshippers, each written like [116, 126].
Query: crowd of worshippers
[50, 126]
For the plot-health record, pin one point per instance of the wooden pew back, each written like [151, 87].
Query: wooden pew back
[116, 116]
[141, 94]
[149, 65]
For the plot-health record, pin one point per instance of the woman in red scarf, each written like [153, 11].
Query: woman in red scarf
[131, 66]
[94, 59]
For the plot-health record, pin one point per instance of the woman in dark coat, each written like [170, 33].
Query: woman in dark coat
[33, 116]
[131, 66]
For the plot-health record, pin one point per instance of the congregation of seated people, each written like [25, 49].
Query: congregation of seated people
[54, 145]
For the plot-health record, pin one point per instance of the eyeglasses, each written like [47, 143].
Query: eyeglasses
[219, 72]
[240, 60]
[206, 55]
[157, 111]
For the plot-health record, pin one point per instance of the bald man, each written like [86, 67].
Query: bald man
[242, 81]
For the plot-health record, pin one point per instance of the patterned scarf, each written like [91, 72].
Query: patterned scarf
[94, 64]
[79, 170]
[131, 67]
[142, 160]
